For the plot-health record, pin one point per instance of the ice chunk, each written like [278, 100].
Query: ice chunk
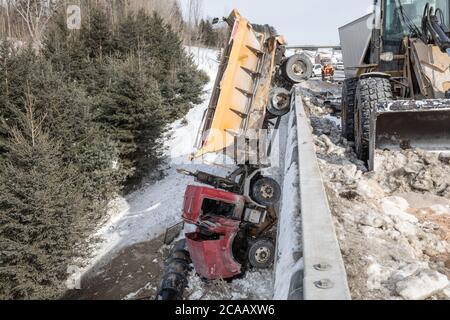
[422, 286]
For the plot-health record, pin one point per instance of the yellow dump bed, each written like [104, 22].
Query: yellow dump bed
[241, 92]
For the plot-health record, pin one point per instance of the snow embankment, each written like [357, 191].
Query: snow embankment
[289, 248]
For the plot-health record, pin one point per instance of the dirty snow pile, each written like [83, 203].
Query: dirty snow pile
[414, 170]
[257, 285]
[318, 87]
[393, 225]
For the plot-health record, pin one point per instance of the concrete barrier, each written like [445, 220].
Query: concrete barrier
[324, 275]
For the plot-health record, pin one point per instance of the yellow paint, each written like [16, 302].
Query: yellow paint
[225, 120]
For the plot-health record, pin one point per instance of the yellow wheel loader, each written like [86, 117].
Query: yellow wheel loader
[397, 88]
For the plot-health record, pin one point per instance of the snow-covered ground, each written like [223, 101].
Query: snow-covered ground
[289, 248]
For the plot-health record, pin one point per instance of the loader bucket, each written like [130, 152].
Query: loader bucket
[241, 91]
[409, 124]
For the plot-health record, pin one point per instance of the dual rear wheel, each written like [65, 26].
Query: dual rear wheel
[261, 253]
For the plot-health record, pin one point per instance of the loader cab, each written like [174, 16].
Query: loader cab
[397, 17]
[397, 14]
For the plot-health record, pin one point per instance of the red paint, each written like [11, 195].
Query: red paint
[194, 196]
[212, 257]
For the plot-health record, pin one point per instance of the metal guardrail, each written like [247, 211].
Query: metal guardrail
[314, 48]
[324, 276]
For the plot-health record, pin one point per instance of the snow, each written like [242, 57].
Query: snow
[422, 285]
[396, 207]
[256, 285]
[446, 292]
[334, 119]
[392, 224]
[376, 274]
[289, 236]
[133, 295]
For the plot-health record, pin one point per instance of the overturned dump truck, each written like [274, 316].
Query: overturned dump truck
[397, 88]
[231, 219]
[252, 87]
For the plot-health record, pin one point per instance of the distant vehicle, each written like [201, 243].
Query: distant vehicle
[317, 70]
[340, 66]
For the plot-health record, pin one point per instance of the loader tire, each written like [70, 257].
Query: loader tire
[261, 253]
[279, 102]
[297, 68]
[369, 92]
[266, 192]
[348, 108]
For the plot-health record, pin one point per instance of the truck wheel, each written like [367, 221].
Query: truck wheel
[261, 253]
[369, 92]
[266, 192]
[298, 68]
[348, 108]
[279, 102]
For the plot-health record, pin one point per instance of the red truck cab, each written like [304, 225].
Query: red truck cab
[217, 215]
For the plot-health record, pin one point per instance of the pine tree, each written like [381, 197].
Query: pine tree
[97, 35]
[56, 173]
[40, 204]
[208, 36]
[131, 112]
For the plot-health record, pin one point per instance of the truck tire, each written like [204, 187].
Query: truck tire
[369, 92]
[261, 253]
[348, 108]
[298, 68]
[266, 192]
[279, 102]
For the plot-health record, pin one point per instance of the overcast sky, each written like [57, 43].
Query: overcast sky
[300, 21]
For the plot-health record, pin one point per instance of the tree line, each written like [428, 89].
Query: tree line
[26, 20]
[81, 118]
